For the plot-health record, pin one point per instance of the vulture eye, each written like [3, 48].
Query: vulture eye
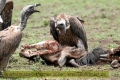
[31, 8]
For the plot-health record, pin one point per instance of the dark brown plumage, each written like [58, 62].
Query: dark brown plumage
[6, 15]
[9, 41]
[68, 30]
[10, 37]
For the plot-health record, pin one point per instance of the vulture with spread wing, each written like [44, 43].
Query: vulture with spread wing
[10, 37]
[68, 30]
[6, 14]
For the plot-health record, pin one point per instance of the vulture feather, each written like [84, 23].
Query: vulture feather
[68, 30]
[10, 37]
[6, 14]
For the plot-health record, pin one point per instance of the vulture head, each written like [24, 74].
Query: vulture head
[28, 10]
[25, 13]
[62, 23]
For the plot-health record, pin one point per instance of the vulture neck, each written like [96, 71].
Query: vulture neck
[23, 21]
[2, 5]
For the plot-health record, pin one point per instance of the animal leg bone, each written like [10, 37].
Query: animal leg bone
[73, 63]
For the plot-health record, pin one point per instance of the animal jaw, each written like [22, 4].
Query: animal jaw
[25, 13]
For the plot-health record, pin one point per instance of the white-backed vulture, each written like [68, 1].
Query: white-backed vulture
[68, 30]
[10, 37]
[6, 14]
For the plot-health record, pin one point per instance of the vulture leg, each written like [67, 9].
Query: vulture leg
[4, 66]
[6, 63]
[0, 74]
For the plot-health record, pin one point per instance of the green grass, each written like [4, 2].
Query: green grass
[102, 22]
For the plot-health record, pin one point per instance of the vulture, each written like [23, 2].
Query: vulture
[6, 14]
[10, 37]
[69, 31]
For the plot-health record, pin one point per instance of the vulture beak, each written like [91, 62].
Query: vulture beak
[61, 26]
[36, 11]
[36, 5]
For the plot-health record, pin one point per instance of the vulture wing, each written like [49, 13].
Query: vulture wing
[9, 41]
[53, 31]
[7, 14]
[78, 30]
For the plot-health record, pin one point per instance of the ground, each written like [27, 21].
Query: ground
[101, 25]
